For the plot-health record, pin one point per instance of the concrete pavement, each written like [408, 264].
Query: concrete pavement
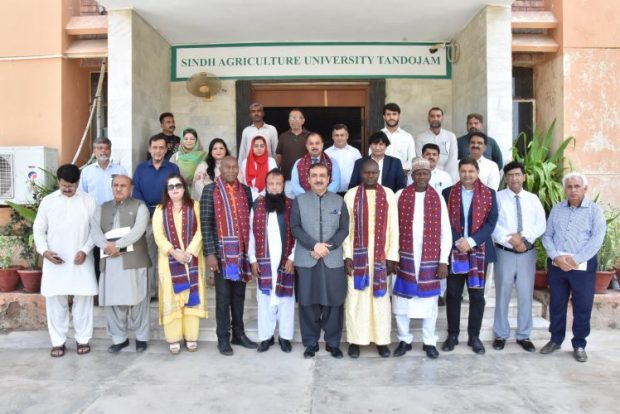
[508, 381]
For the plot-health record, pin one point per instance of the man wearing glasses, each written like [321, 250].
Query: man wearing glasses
[291, 147]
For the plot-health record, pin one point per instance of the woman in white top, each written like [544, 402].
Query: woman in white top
[255, 167]
[208, 170]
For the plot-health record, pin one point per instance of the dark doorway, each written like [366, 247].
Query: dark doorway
[322, 120]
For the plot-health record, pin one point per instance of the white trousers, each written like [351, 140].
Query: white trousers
[268, 315]
[428, 328]
[58, 318]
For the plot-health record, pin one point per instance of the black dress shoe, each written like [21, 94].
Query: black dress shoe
[354, 351]
[265, 345]
[476, 345]
[402, 348]
[311, 350]
[285, 345]
[499, 343]
[334, 351]
[224, 348]
[450, 342]
[549, 348]
[431, 351]
[384, 351]
[115, 349]
[141, 346]
[244, 341]
[441, 301]
[526, 344]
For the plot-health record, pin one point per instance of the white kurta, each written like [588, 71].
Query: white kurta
[368, 318]
[63, 226]
[271, 307]
[423, 307]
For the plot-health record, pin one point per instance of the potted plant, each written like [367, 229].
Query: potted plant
[8, 273]
[22, 228]
[609, 254]
[544, 169]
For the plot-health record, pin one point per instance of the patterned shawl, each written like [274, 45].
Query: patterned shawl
[285, 282]
[473, 262]
[233, 230]
[304, 164]
[426, 283]
[182, 278]
[361, 271]
[257, 167]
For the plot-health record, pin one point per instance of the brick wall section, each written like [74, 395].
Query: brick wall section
[528, 5]
[89, 7]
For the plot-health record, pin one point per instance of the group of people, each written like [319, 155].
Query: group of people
[346, 237]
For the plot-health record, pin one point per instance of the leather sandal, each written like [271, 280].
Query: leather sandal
[58, 351]
[83, 349]
[192, 346]
[175, 348]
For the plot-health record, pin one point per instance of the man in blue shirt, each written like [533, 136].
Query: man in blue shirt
[96, 178]
[149, 181]
[575, 232]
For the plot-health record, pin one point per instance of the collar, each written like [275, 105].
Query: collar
[585, 203]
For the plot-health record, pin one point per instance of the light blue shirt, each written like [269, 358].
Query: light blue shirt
[466, 198]
[333, 186]
[575, 230]
[97, 182]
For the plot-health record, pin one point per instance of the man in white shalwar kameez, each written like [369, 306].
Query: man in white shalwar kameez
[367, 306]
[123, 285]
[272, 264]
[418, 300]
[62, 235]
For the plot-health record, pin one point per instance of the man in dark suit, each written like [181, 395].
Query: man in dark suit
[390, 168]
[473, 250]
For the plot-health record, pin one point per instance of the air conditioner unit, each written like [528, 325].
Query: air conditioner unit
[19, 166]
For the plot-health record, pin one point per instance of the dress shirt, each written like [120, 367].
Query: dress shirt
[249, 132]
[346, 158]
[440, 180]
[333, 186]
[532, 214]
[467, 196]
[380, 162]
[402, 146]
[489, 173]
[97, 182]
[493, 152]
[575, 230]
[448, 150]
[149, 184]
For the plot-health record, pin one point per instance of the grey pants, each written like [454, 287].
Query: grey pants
[153, 271]
[122, 319]
[513, 269]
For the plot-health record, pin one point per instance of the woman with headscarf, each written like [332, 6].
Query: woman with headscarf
[255, 167]
[189, 155]
[182, 298]
[209, 169]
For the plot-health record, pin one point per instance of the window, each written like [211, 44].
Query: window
[523, 106]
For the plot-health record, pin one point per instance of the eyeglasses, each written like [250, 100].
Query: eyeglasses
[178, 186]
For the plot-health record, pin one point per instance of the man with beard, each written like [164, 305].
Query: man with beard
[320, 223]
[424, 244]
[403, 147]
[166, 120]
[271, 260]
[446, 140]
[371, 253]
[472, 209]
[488, 173]
[314, 155]
[258, 127]
[492, 152]
[62, 236]
[225, 245]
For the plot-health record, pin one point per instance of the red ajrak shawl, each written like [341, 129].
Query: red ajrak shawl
[232, 232]
[304, 164]
[285, 282]
[425, 284]
[361, 271]
[182, 279]
[481, 208]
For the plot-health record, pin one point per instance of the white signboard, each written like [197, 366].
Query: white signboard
[310, 60]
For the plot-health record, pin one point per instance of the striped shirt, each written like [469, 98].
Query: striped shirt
[578, 231]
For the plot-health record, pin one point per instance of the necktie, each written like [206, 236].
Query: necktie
[519, 214]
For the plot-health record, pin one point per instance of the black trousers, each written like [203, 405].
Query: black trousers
[229, 299]
[313, 318]
[454, 297]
